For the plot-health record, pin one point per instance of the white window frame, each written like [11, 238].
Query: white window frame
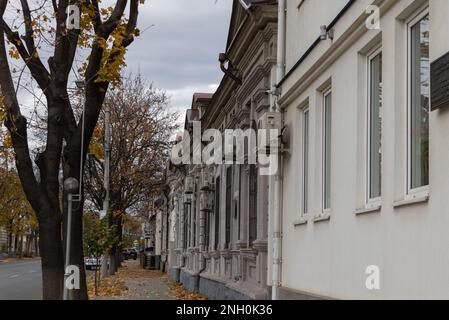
[305, 185]
[370, 202]
[421, 192]
[325, 211]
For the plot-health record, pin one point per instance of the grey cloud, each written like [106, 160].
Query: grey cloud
[180, 52]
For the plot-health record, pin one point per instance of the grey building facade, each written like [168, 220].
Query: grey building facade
[218, 219]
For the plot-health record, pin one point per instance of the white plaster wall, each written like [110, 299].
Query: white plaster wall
[304, 24]
[410, 244]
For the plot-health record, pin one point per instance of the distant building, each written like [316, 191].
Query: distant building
[3, 240]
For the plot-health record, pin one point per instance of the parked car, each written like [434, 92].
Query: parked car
[129, 253]
[92, 263]
[132, 253]
[125, 254]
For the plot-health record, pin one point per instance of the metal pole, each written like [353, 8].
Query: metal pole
[106, 182]
[82, 86]
[68, 243]
[276, 181]
[107, 158]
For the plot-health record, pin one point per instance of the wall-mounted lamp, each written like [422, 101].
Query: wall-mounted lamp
[325, 33]
[230, 70]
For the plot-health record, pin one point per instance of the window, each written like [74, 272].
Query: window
[327, 128]
[228, 207]
[305, 161]
[252, 203]
[217, 212]
[206, 230]
[419, 104]
[374, 156]
[194, 224]
[186, 225]
[238, 203]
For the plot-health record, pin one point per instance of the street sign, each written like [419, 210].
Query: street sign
[439, 75]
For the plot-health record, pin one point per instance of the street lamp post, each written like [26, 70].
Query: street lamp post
[71, 186]
[81, 85]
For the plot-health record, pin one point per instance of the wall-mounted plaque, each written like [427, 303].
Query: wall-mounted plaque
[439, 79]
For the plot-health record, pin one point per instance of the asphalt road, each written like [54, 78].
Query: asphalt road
[21, 280]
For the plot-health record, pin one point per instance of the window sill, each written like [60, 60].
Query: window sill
[367, 210]
[411, 201]
[300, 222]
[322, 217]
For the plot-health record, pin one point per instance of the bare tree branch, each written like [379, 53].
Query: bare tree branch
[16, 124]
[33, 62]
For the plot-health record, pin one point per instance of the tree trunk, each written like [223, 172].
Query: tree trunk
[36, 242]
[77, 254]
[21, 247]
[16, 239]
[28, 244]
[118, 256]
[112, 222]
[9, 242]
[112, 264]
[119, 250]
[50, 246]
[104, 266]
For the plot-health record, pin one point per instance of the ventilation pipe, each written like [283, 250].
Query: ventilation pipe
[280, 70]
[276, 181]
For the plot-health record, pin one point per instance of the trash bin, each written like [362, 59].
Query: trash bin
[151, 261]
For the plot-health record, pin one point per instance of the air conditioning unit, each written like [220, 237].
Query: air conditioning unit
[206, 202]
[268, 122]
[189, 186]
[206, 180]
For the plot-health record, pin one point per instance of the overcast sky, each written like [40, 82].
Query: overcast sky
[177, 50]
[179, 53]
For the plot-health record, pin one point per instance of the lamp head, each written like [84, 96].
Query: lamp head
[71, 185]
[222, 58]
[80, 84]
[323, 32]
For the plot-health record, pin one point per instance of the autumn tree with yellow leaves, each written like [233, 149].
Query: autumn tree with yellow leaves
[142, 130]
[17, 217]
[30, 29]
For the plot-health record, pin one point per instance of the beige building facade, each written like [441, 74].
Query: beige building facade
[365, 185]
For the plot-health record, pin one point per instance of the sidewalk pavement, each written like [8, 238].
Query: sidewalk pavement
[132, 282]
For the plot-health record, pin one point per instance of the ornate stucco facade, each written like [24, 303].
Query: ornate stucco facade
[219, 232]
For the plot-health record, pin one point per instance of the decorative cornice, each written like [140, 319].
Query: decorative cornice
[241, 244]
[261, 245]
[226, 253]
[243, 52]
